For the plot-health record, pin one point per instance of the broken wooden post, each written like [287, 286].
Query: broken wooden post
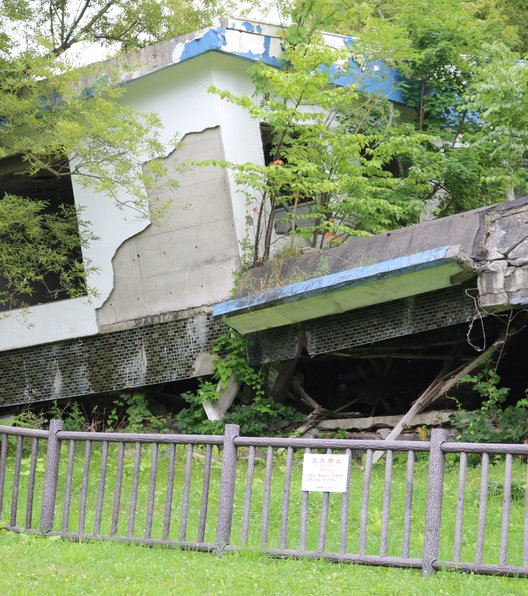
[226, 397]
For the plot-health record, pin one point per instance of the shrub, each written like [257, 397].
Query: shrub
[492, 423]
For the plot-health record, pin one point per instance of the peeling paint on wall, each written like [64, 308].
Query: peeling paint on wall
[187, 259]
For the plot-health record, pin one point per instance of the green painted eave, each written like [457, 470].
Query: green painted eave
[347, 290]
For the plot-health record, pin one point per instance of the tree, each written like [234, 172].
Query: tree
[450, 51]
[61, 121]
[369, 166]
[329, 147]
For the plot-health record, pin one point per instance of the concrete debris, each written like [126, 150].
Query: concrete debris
[378, 422]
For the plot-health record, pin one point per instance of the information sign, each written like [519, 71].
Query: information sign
[326, 473]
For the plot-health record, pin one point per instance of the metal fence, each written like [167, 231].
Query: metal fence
[430, 504]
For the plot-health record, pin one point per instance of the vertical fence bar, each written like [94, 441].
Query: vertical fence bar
[343, 522]
[134, 492]
[286, 499]
[483, 504]
[407, 516]
[117, 490]
[304, 514]
[323, 524]
[31, 483]
[266, 498]
[435, 490]
[525, 535]
[3, 463]
[205, 492]
[169, 492]
[186, 493]
[51, 473]
[101, 488]
[227, 487]
[152, 490]
[505, 526]
[248, 495]
[460, 507]
[16, 481]
[365, 504]
[386, 504]
[84, 486]
[68, 489]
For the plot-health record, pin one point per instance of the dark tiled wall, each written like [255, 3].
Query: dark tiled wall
[168, 351]
[423, 312]
[106, 362]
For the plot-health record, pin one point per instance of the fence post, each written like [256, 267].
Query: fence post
[433, 512]
[227, 487]
[49, 493]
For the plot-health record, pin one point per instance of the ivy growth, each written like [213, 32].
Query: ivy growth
[255, 412]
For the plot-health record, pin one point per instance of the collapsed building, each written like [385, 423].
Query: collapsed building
[397, 316]
[369, 326]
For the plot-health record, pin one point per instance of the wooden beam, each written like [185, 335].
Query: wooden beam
[300, 393]
[401, 355]
[441, 385]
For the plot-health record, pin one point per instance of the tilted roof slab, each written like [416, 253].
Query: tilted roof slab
[483, 243]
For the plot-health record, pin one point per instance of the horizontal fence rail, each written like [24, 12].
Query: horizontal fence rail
[427, 504]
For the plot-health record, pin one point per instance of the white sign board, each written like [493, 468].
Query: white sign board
[327, 473]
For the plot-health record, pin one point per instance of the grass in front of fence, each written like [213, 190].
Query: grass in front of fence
[394, 547]
[31, 565]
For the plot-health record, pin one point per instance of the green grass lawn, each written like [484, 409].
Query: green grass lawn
[33, 565]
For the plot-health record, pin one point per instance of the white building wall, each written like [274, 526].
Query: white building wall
[241, 135]
[179, 95]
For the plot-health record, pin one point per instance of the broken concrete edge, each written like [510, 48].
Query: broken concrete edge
[348, 278]
[502, 261]
[465, 229]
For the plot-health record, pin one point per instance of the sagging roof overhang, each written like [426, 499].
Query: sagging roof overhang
[347, 290]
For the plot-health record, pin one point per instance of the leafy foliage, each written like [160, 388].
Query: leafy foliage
[362, 164]
[331, 145]
[129, 413]
[253, 411]
[60, 25]
[262, 416]
[35, 244]
[492, 423]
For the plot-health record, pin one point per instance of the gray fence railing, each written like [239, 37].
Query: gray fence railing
[430, 504]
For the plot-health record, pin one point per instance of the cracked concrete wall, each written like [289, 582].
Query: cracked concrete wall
[502, 261]
[185, 261]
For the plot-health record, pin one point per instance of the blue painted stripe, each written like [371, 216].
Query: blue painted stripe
[333, 282]
[213, 39]
[519, 300]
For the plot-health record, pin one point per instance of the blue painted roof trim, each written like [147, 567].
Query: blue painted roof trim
[376, 78]
[215, 40]
[336, 281]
